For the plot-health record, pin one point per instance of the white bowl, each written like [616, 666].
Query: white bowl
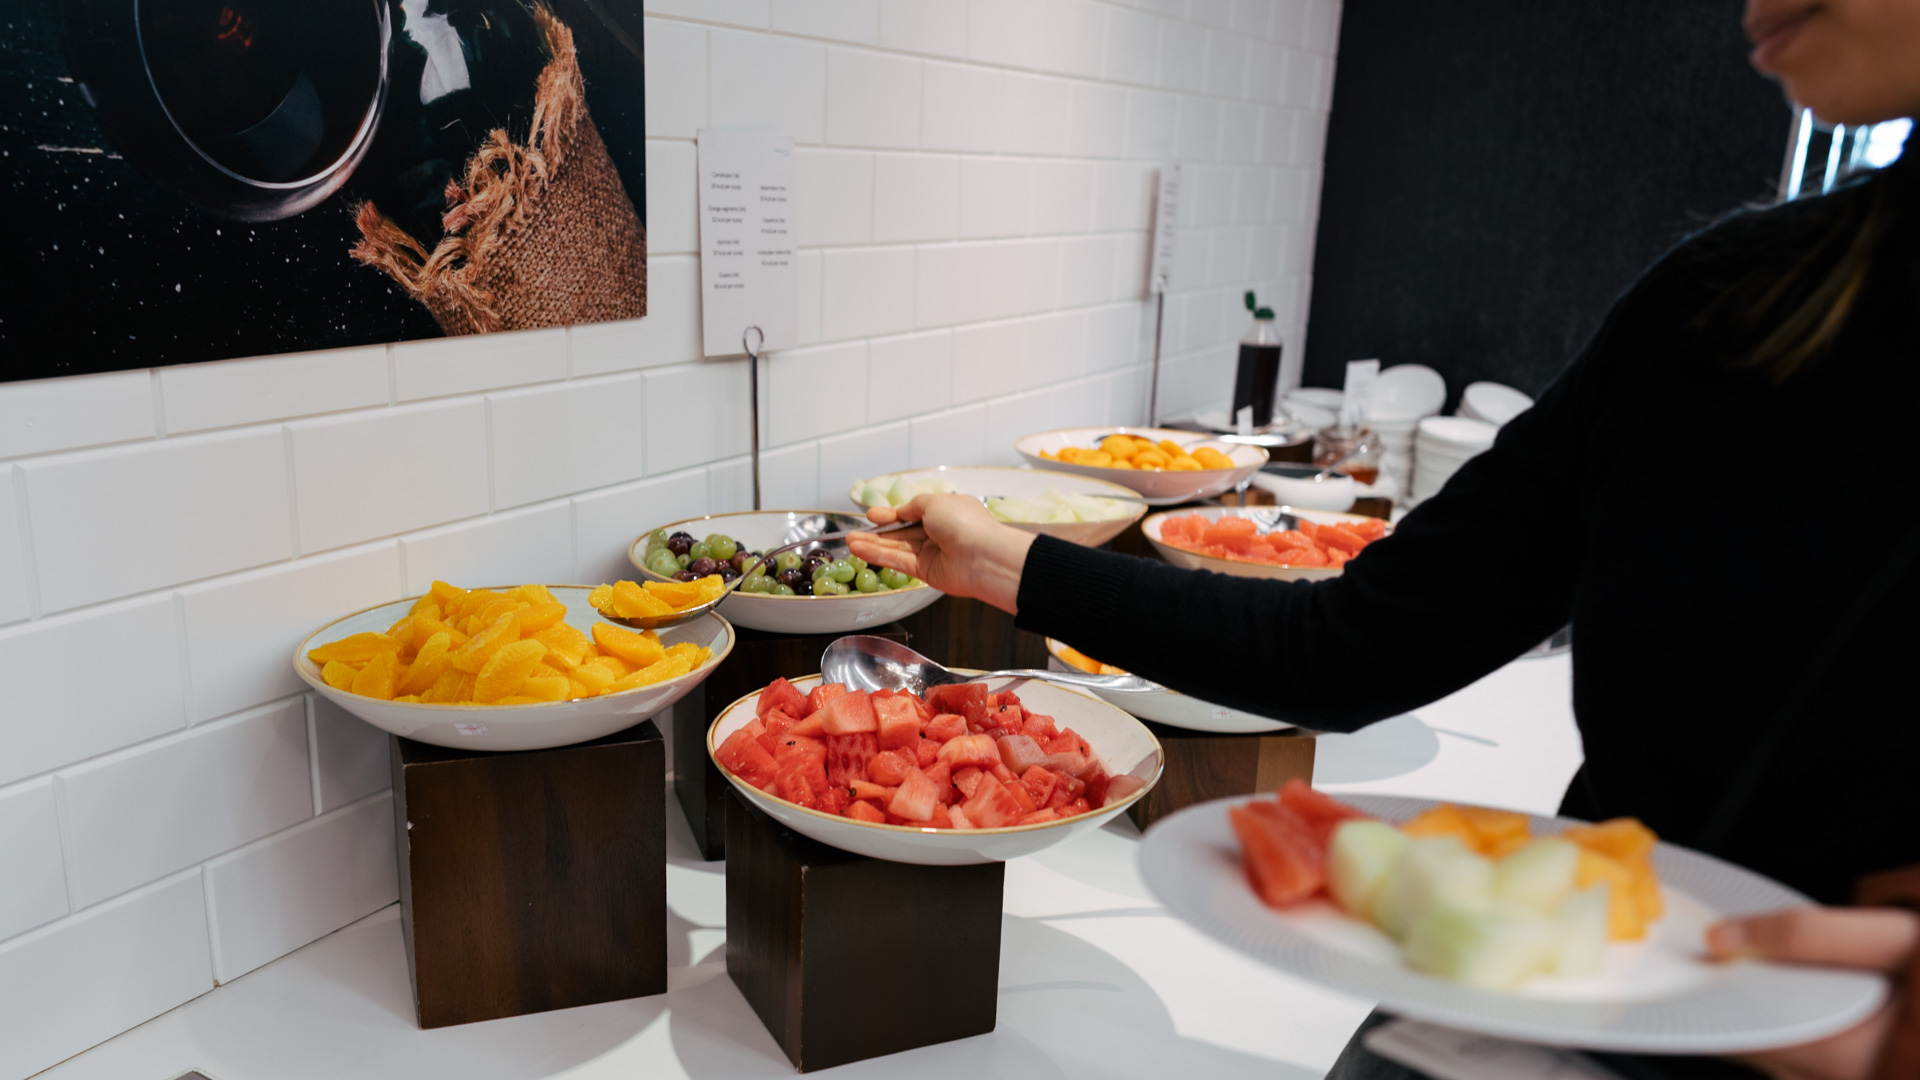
[1193, 560]
[1025, 484]
[763, 529]
[1293, 485]
[1493, 402]
[1408, 392]
[1458, 433]
[1126, 746]
[1175, 709]
[1319, 397]
[515, 727]
[1164, 488]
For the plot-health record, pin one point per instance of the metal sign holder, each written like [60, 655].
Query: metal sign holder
[753, 397]
[1159, 319]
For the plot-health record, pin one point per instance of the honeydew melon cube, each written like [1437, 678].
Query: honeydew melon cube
[1358, 860]
[1539, 876]
[1583, 933]
[1495, 947]
[940, 487]
[901, 493]
[874, 495]
[1432, 869]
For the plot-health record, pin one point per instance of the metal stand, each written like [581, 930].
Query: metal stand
[753, 396]
[1159, 320]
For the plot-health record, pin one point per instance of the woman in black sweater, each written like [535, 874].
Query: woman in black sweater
[1717, 494]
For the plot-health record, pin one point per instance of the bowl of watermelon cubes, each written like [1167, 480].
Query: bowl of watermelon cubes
[974, 773]
[1233, 540]
[1546, 930]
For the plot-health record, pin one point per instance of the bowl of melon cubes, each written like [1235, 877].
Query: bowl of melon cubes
[978, 772]
[521, 668]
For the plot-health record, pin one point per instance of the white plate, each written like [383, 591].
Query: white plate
[1408, 392]
[1122, 742]
[1657, 996]
[1024, 484]
[1175, 709]
[1163, 488]
[515, 727]
[763, 529]
[1460, 434]
[1493, 402]
[1193, 560]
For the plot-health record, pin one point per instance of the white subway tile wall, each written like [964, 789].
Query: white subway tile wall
[976, 185]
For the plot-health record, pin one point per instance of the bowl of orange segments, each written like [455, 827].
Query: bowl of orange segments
[514, 668]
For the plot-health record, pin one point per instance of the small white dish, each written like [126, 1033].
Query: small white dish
[1408, 392]
[515, 727]
[1193, 560]
[1175, 709]
[1493, 402]
[763, 529]
[1462, 434]
[1125, 744]
[1016, 483]
[1295, 486]
[1659, 996]
[1166, 487]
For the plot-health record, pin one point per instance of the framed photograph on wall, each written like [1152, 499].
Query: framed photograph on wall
[200, 179]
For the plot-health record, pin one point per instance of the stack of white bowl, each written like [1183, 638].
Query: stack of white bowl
[1402, 397]
[1444, 443]
[1492, 402]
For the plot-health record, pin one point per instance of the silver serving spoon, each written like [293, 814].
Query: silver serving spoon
[661, 622]
[869, 663]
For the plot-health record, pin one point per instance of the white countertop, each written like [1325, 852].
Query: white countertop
[1096, 979]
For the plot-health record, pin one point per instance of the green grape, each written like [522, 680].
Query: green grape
[820, 571]
[866, 581]
[659, 537]
[781, 589]
[892, 579]
[758, 583]
[721, 547]
[662, 562]
[757, 570]
[856, 562]
[682, 561]
[700, 550]
[839, 571]
[787, 560]
[822, 585]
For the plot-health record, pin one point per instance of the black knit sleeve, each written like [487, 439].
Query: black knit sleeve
[1469, 580]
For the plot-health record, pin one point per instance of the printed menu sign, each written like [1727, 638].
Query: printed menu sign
[747, 275]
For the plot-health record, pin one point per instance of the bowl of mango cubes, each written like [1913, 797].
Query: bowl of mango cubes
[1165, 465]
[511, 668]
[1077, 509]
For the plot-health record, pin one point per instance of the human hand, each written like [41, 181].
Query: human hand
[959, 548]
[1882, 1047]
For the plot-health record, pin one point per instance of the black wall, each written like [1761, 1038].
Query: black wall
[1497, 171]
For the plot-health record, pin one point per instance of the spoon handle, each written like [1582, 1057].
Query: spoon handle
[1121, 684]
[766, 559]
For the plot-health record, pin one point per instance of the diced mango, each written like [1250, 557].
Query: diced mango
[1624, 922]
[1623, 838]
[1442, 820]
[637, 649]
[507, 669]
[1495, 828]
[1209, 458]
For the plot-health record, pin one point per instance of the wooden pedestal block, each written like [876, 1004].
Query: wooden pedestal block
[757, 659]
[533, 880]
[964, 633]
[846, 958]
[1203, 765]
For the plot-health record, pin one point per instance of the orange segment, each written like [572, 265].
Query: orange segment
[566, 646]
[339, 674]
[357, 649]
[451, 688]
[540, 616]
[427, 668]
[507, 670]
[377, 678]
[676, 593]
[474, 655]
[546, 687]
[639, 650]
[670, 668]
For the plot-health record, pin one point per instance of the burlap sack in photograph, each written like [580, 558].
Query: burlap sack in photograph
[537, 235]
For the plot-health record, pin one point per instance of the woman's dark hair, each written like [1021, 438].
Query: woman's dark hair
[1778, 313]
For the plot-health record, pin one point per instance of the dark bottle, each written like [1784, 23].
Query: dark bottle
[460, 69]
[1258, 374]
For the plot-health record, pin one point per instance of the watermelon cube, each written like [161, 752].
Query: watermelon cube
[744, 757]
[992, 805]
[889, 767]
[862, 810]
[1020, 752]
[847, 757]
[978, 751]
[942, 778]
[793, 786]
[899, 722]
[966, 779]
[1040, 817]
[1281, 860]
[916, 797]
[954, 699]
[849, 714]
[1039, 783]
[925, 752]
[781, 694]
[820, 695]
[946, 726]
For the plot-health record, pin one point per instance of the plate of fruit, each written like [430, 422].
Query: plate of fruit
[1246, 541]
[820, 589]
[1165, 465]
[521, 668]
[1077, 509]
[1170, 707]
[1545, 930]
[977, 772]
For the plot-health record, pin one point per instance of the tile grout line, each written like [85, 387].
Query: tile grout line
[30, 564]
[293, 492]
[159, 407]
[208, 907]
[185, 659]
[313, 752]
[63, 825]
